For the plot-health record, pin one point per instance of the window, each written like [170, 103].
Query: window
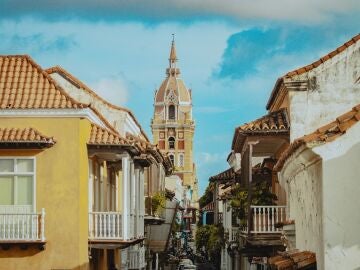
[171, 112]
[17, 179]
[171, 143]
[181, 160]
[172, 159]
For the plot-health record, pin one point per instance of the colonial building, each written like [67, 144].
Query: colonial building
[311, 136]
[173, 125]
[74, 172]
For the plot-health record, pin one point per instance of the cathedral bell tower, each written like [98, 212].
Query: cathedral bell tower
[173, 125]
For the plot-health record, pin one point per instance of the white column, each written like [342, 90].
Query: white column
[125, 197]
[132, 198]
[141, 201]
[137, 197]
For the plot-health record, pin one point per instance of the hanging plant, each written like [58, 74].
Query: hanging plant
[158, 203]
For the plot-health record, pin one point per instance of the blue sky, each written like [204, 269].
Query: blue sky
[230, 52]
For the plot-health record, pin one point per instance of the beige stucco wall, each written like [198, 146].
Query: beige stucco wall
[61, 188]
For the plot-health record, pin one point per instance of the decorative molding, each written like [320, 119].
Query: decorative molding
[54, 113]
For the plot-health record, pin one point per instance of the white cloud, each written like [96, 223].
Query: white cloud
[156, 10]
[113, 89]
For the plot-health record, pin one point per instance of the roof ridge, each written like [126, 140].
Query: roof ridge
[57, 86]
[28, 130]
[323, 59]
[323, 134]
[110, 132]
[308, 67]
[82, 85]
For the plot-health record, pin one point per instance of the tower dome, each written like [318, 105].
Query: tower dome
[173, 89]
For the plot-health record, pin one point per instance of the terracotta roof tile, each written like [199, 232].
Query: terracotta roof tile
[80, 84]
[224, 176]
[324, 134]
[311, 66]
[324, 58]
[24, 85]
[293, 260]
[272, 121]
[270, 124]
[25, 135]
[102, 136]
[141, 144]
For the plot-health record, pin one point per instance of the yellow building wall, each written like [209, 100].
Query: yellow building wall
[62, 189]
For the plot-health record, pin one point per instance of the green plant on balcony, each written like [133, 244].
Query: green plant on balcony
[207, 197]
[210, 238]
[158, 203]
[261, 195]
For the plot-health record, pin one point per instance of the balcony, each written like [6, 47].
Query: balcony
[105, 226]
[262, 237]
[264, 219]
[137, 258]
[108, 228]
[22, 228]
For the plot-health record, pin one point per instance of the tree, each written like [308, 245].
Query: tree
[261, 195]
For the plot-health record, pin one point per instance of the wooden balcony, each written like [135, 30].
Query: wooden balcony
[137, 258]
[22, 229]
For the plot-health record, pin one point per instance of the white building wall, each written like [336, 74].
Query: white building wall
[120, 120]
[332, 89]
[341, 205]
[301, 177]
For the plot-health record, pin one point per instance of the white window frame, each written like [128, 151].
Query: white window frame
[16, 174]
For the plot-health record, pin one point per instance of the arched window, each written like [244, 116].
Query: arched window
[171, 112]
[172, 159]
[171, 143]
[181, 160]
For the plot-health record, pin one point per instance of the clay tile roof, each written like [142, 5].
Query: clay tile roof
[270, 124]
[293, 260]
[324, 58]
[307, 68]
[224, 176]
[25, 135]
[24, 85]
[102, 136]
[80, 84]
[141, 144]
[274, 121]
[324, 134]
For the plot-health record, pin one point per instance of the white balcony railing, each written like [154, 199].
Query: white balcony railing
[22, 226]
[234, 234]
[105, 225]
[137, 258]
[132, 226]
[264, 218]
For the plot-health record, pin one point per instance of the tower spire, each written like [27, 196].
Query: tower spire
[172, 58]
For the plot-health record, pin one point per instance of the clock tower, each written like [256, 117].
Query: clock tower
[173, 125]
